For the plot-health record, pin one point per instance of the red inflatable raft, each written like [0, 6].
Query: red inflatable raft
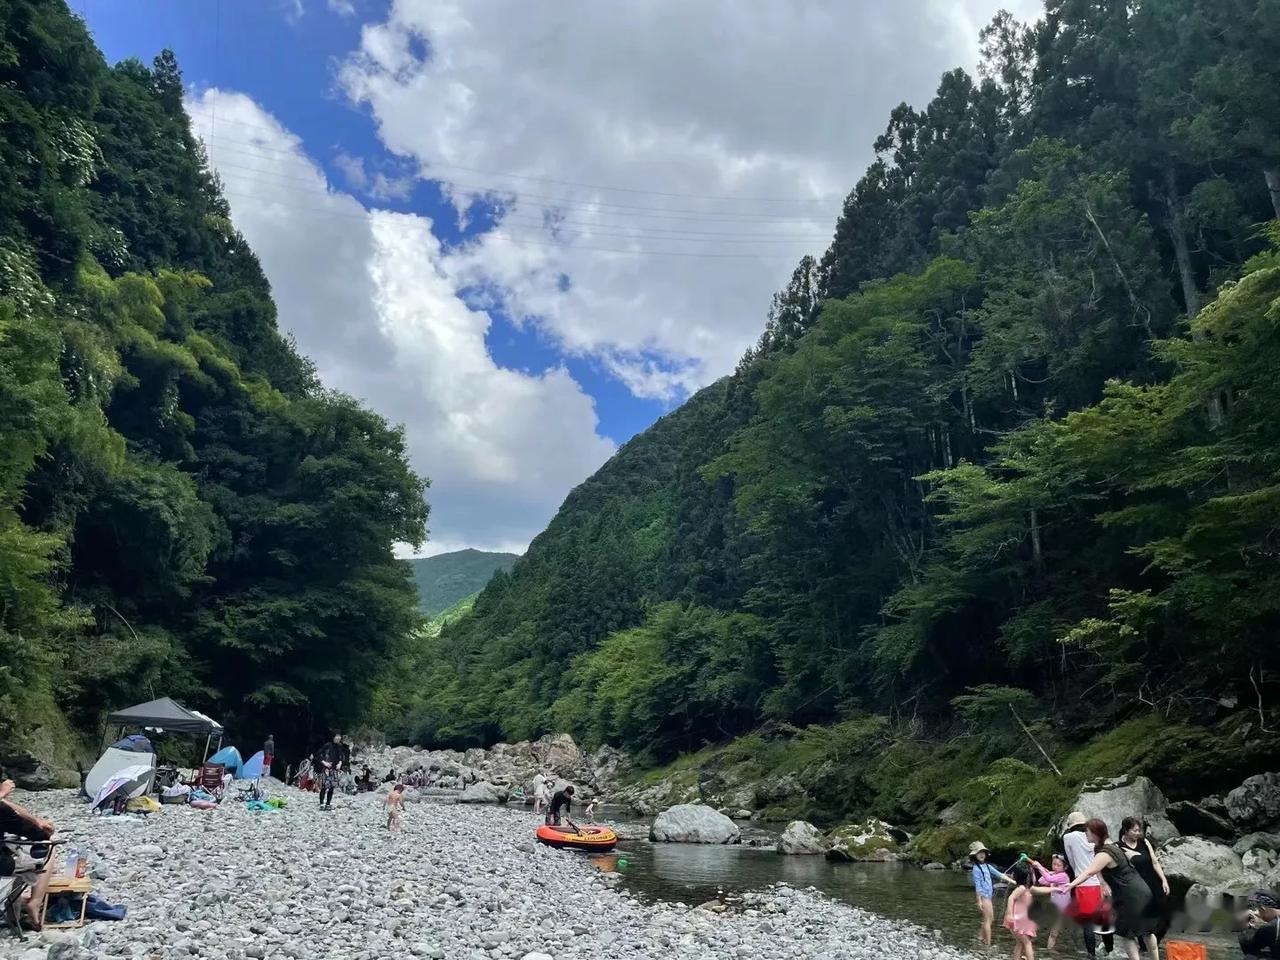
[579, 838]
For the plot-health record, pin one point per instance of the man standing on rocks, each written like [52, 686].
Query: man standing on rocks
[331, 757]
[268, 752]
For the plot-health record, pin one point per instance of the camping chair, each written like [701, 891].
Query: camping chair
[209, 778]
[11, 887]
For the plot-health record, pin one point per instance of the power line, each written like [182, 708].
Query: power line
[583, 185]
[523, 242]
[268, 178]
[606, 209]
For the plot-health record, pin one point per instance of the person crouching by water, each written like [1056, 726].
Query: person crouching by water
[560, 800]
[1130, 894]
[985, 876]
[1262, 925]
[395, 807]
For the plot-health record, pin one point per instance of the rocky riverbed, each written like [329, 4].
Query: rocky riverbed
[458, 882]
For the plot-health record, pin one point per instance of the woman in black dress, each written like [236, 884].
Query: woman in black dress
[1142, 854]
[1131, 897]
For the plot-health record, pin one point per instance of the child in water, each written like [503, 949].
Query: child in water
[984, 877]
[1057, 880]
[1017, 917]
[395, 807]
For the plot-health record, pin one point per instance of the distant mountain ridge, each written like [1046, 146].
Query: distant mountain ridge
[448, 578]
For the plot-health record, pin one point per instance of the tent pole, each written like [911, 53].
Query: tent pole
[206, 748]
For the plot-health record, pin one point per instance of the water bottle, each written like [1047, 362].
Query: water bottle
[73, 858]
[82, 864]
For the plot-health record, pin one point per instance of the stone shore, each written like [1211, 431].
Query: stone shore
[463, 882]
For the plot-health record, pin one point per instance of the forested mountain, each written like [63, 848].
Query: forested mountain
[185, 510]
[1010, 444]
[448, 578]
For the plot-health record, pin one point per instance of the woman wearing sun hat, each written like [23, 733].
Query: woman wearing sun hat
[1088, 906]
[985, 876]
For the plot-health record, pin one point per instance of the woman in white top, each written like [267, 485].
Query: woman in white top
[1088, 903]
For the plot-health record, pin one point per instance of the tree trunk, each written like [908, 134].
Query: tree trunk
[1273, 186]
[1178, 233]
[1037, 552]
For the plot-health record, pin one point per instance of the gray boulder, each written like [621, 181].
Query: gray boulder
[1194, 860]
[802, 839]
[1257, 841]
[483, 792]
[1255, 804]
[693, 823]
[1194, 819]
[1113, 800]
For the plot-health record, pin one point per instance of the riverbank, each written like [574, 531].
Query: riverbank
[458, 882]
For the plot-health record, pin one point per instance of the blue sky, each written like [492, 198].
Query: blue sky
[526, 231]
[284, 60]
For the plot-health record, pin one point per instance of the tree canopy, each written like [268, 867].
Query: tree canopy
[1011, 432]
[184, 508]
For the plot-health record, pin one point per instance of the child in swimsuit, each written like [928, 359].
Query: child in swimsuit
[395, 807]
[1017, 919]
[1057, 880]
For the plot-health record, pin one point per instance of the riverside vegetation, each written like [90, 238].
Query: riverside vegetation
[1001, 467]
[184, 508]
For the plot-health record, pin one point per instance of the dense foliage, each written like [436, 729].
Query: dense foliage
[446, 579]
[1010, 440]
[184, 509]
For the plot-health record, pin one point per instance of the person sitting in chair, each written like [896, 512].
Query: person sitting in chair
[16, 860]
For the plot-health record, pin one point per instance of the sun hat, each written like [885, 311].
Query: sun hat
[1075, 819]
[977, 847]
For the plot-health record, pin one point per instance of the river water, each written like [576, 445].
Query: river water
[941, 900]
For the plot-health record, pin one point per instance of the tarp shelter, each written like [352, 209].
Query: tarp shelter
[166, 714]
[229, 757]
[113, 763]
[252, 768]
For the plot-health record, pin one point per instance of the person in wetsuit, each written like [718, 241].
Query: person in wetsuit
[560, 800]
[331, 759]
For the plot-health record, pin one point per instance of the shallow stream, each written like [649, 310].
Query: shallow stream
[941, 900]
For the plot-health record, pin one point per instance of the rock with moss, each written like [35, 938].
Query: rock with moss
[870, 840]
[802, 839]
[947, 844]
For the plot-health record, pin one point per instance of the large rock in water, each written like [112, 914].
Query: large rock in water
[693, 823]
[1255, 804]
[1192, 860]
[483, 792]
[871, 840]
[1113, 800]
[802, 839]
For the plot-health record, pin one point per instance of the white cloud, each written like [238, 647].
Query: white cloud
[705, 99]
[372, 300]
[344, 8]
